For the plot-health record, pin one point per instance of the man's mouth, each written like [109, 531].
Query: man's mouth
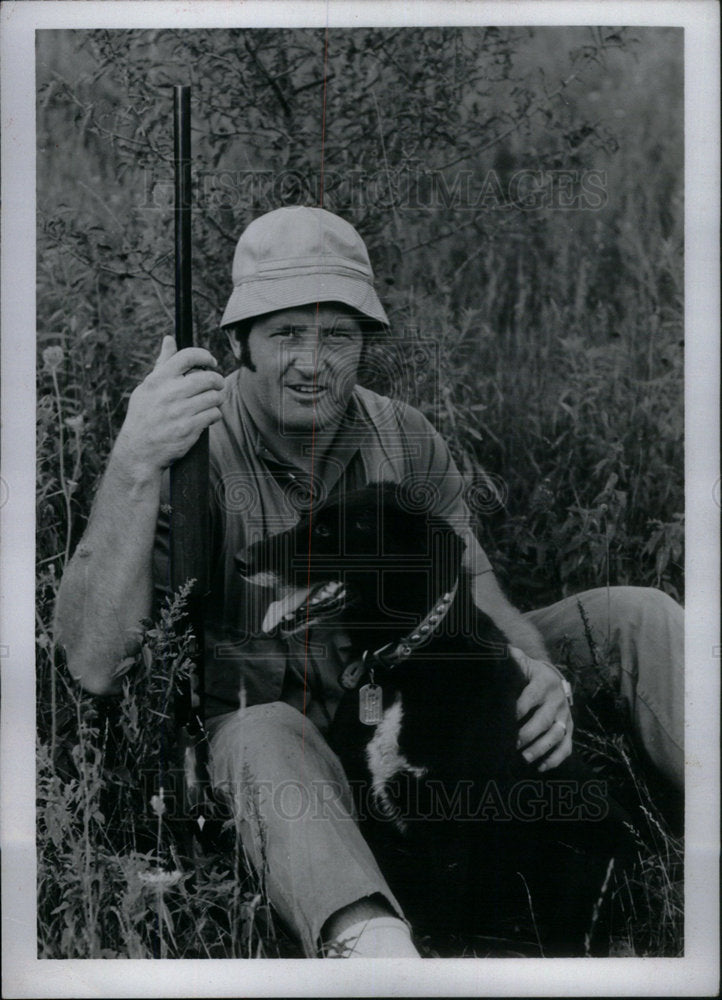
[307, 390]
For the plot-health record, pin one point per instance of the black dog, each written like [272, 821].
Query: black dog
[467, 833]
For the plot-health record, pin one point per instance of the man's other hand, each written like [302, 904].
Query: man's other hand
[170, 408]
[547, 733]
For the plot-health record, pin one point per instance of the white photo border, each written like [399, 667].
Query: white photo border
[697, 973]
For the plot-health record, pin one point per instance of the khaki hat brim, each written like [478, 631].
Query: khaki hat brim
[256, 297]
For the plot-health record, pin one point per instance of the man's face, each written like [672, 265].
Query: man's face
[306, 362]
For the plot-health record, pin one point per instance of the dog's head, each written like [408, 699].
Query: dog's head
[374, 560]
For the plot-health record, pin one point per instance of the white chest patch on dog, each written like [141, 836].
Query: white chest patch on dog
[385, 761]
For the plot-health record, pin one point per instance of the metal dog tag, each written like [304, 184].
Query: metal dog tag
[370, 704]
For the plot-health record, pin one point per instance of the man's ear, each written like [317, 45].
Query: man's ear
[233, 341]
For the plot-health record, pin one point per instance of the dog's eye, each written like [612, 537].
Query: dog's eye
[363, 525]
[321, 530]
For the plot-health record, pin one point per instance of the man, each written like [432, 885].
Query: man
[289, 427]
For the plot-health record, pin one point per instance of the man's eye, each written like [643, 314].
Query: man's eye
[321, 530]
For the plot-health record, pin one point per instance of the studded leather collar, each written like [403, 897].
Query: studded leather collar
[393, 653]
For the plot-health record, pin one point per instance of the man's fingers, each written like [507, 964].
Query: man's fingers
[211, 399]
[560, 754]
[531, 697]
[555, 735]
[539, 724]
[201, 421]
[195, 427]
[184, 361]
[211, 416]
[167, 350]
[201, 381]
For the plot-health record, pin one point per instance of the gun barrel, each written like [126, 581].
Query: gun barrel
[182, 172]
[189, 519]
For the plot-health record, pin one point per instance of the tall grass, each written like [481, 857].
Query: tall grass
[118, 873]
[550, 359]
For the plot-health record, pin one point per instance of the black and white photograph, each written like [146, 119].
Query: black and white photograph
[360, 499]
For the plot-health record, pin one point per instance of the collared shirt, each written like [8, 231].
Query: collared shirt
[253, 494]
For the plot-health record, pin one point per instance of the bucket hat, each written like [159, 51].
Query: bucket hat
[296, 256]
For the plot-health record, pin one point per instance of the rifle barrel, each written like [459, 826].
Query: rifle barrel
[182, 173]
[189, 519]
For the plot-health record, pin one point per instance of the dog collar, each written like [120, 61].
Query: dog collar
[394, 653]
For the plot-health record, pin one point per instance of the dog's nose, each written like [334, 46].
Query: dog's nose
[241, 564]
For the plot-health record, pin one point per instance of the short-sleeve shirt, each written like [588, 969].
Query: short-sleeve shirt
[254, 494]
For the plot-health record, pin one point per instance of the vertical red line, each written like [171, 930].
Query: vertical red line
[313, 419]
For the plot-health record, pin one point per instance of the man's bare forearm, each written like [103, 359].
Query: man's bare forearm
[107, 586]
[489, 598]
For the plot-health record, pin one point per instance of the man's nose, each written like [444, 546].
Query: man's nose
[306, 356]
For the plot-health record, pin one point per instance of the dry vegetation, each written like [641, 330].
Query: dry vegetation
[543, 311]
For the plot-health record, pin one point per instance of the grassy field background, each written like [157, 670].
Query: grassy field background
[521, 193]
